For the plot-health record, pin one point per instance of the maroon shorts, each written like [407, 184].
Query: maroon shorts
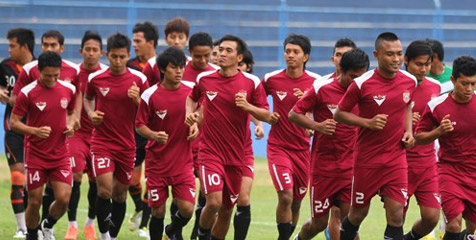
[457, 198]
[289, 169]
[327, 192]
[121, 164]
[80, 153]
[215, 177]
[423, 183]
[183, 188]
[37, 176]
[391, 182]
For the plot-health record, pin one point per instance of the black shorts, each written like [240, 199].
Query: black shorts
[140, 149]
[13, 147]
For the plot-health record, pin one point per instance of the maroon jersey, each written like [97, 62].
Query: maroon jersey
[374, 94]
[457, 154]
[423, 155]
[151, 71]
[158, 111]
[116, 132]
[46, 107]
[224, 124]
[332, 155]
[69, 73]
[277, 84]
[190, 73]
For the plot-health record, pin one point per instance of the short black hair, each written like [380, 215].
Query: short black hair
[23, 36]
[300, 40]
[118, 40]
[386, 36]
[240, 43]
[200, 39]
[216, 43]
[418, 48]
[49, 59]
[437, 47]
[178, 24]
[54, 34]
[465, 65]
[151, 32]
[354, 59]
[172, 55]
[248, 60]
[91, 35]
[344, 42]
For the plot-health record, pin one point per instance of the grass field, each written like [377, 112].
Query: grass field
[263, 205]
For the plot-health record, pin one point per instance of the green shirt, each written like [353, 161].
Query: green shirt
[444, 79]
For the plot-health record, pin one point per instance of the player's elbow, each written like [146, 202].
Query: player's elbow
[338, 116]
[292, 116]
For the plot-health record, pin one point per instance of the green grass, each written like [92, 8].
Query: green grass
[264, 199]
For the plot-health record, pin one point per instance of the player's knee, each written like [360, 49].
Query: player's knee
[296, 205]
[319, 224]
[243, 200]
[213, 203]
[454, 225]
[431, 218]
[119, 196]
[104, 193]
[357, 215]
[77, 176]
[158, 212]
[17, 178]
[135, 180]
[285, 198]
[186, 210]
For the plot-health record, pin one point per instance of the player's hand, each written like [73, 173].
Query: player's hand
[77, 123]
[161, 137]
[309, 132]
[326, 127]
[134, 92]
[415, 117]
[241, 102]
[191, 118]
[43, 132]
[298, 93]
[378, 122]
[274, 118]
[408, 140]
[96, 117]
[445, 126]
[69, 132]
[259, 131]
[4, 99]
[193, 132]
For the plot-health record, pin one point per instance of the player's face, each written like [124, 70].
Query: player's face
[118, 58]
[51, 44]
[389, 56]
[49, 75]
[15, 50]
[419, 66]
[173, 74]
[228, 54]
[91, 52]
[214, 56]
[338, 52]
[463, 88]
[351, 74]
[140, 44]
[176, 39]
[294, 56]
[200, 56]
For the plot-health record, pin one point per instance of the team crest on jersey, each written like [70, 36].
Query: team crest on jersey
[40, 105]
[332, 108]
[302, 190]
[192, 191]
[379, 99]
[64, 103]
[211, 95]
[104, 91]
[161, 113]
[281, 94]
[65, 173]
[406, 96]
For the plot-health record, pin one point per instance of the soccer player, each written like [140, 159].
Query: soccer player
[214, 56]
[20, 48]
[49, 103]
[144, 40]
[439, 70]
[111, 101]
[169, 153]
[450, 118]
[288, 144]
[383, 96]
[332, 148]
[422, 172]
[80, 143]
[229, 97]
[246, 65]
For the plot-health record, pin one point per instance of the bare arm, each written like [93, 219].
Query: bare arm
[378, 122]
[77, 110]
[18, 126]
[191, 115]
[326, 127]
[408, 138]
[160, 136]
[428, 137]
[260, 114]
[95, 116]
[259, 130]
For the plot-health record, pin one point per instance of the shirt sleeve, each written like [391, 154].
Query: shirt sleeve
[427, 121]
[266, 87]
[3, 76]
[142, 117]
[196, 93]
[72, 103]
[90, 91]
[21, 105]
[149, 72]
[258, 97]
[350, 98]
[143, 86]
[307, 102]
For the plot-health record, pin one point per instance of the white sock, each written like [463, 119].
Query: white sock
[89, 221]
[20, 220]
[73, 223]
[105, 236]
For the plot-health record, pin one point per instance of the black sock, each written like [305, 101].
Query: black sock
[204, 234]
[49, 222]
[73, 201]
[92, 194]
[215, 238]
[348, 231]
[145, 213]
[241, 221]
[463, 235]
[284, 230]
[16, 197]
[173, 210]
[118, 212]
[25, 198]
[156, 228]
[178, 222]
[412, 235]
[103, 210]
[395, 233]
[198, 211]
[32, 233]
[136, 193]
[451, 236]
[48, 199]
[292, 229]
